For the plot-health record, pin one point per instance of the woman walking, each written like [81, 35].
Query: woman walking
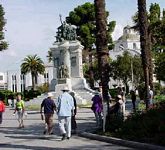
[97, 108]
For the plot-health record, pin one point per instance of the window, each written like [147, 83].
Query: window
[134, 46]
[1, 77]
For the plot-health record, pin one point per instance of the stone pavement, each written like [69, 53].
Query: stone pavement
[32, 138]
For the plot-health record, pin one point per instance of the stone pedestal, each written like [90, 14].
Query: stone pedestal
[68, 54]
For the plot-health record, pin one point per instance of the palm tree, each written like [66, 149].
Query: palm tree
[102, 48]
[50, 56]
[34, 65]
[144, 41]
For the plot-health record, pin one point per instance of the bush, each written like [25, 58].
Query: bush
[146, 127]
[159, 98]
[157, 88]
[113, 122]
[113, 92]
[31, 94]
[5, 95]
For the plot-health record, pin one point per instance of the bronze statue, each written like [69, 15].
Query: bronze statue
[65, 32]
[63, 71]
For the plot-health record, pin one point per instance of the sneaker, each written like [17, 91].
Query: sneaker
[63, 137]
[68, 138]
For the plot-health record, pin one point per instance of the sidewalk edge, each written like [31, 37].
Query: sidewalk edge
[122, 142]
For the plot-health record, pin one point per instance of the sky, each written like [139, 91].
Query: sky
[32, 25]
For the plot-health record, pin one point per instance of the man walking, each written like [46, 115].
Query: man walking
[65, 109]
[49, 108]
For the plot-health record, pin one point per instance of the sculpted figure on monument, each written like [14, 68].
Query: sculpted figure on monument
[65, 32]
[63, 71]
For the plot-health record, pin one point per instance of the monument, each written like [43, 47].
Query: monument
[67, 57]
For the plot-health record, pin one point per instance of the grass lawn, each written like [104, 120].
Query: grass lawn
[33, 107]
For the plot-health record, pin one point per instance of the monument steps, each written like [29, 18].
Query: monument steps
[83, 96]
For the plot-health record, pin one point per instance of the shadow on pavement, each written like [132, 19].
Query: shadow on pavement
[84, 147]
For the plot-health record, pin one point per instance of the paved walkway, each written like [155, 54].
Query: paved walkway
[31, 137]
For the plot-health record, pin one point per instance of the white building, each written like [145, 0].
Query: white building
[18, 82]
[3, 81]
[129, 41]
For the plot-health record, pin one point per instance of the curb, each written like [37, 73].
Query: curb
[122, 142]
[32, 112]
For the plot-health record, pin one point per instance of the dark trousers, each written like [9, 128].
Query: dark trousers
[133, 103]
[1, 117]
[73, 123]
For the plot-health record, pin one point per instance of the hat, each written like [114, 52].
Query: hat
[119, 96]
[50, 94]
[65, 88]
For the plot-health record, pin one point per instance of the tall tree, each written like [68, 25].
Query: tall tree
[3, 44]
[144, 42]
[34, 65]
[160, 66]
[102, 47]
[84, 18]
[127, 68]
[156, 31]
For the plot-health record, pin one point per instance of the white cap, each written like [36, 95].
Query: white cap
[65, 88]
[50, 94]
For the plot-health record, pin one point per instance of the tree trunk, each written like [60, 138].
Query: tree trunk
[144, 40]
[102, 49]
[33, 81]
[150, 60]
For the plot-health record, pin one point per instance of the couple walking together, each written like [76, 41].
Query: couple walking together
[65, 108]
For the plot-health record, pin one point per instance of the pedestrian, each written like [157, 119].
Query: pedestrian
[97, 108]
[121, 92]
[133, 98]
[49, 108]
[65, 109]
[73, 118]
[2, 109]
[120, 105]
[151, 96]
[20, 109]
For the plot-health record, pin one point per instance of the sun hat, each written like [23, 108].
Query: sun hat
[50, 94]
[65, 88]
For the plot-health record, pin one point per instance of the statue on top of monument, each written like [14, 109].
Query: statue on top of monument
[66, 32]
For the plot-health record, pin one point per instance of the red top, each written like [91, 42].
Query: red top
[2, 106]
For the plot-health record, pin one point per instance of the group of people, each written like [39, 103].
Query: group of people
[65, 107]
[97, 105]
[66, 110]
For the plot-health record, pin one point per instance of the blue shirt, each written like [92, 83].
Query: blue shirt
[49, 106]
[65, 104]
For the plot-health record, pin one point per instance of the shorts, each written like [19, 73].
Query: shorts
[20, 115]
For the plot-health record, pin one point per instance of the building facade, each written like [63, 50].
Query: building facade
[18, 82]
